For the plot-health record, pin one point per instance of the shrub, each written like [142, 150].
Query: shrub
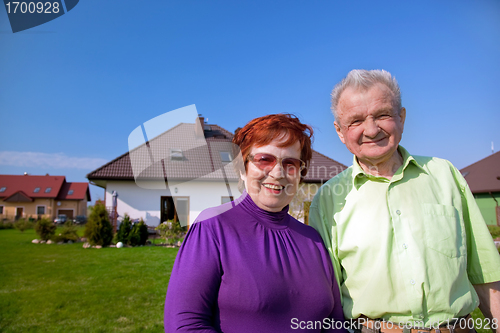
[45, 229]
[23, 224]
[171, 231]
[6, 225]
[139, 234]
[124, 230]
[68, 233]
[98, 230]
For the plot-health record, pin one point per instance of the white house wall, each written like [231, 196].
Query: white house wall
[143, 203]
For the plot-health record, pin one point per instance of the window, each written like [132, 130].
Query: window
[176, 154]
[48, 189]
[36, 190]
[1, 209]
[3, 189]
[225, 156]
[70, 192]
[40, 210]
[226, 199]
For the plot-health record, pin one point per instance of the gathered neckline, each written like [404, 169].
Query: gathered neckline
[276, 220]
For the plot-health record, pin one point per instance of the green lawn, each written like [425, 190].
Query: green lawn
[65, 288]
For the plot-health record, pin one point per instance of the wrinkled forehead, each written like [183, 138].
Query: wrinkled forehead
[353, 98]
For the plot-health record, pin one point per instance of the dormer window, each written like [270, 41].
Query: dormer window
[48, 189]
[70, 192]
[176, 154]
[225, 156]
[3, 189]
[36, 190]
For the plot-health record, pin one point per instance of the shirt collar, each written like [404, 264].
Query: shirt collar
[359, 176]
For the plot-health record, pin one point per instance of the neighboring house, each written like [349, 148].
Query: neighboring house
[483, 178]
[41, 196]
[183, 171]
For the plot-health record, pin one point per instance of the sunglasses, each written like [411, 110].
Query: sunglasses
[266, 162]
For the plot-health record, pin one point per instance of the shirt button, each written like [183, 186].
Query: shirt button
[412, 281]
[405, 246]
[398, 212]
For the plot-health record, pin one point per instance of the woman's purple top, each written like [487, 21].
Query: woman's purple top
[243, 269]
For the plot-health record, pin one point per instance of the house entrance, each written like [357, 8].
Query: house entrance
[168, 209]
[19, 212]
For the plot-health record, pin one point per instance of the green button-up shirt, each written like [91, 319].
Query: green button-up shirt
[407, 249]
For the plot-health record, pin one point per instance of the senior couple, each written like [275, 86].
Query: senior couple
[398, 246]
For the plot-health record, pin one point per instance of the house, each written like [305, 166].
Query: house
[185, 170]
[483, 178]
[41, 197]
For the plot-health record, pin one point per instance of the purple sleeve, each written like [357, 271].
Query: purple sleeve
[194, 284]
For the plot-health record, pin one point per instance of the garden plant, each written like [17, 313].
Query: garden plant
[98, 229]
[171, 231]
[45, 229]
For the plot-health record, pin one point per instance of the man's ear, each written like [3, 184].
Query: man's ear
[339, 131]
[402, 116]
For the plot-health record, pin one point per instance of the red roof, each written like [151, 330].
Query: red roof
[484, 175]
[197, 161]
[80, 191]
[46, 186]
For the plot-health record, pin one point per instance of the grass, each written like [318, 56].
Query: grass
[65, 288]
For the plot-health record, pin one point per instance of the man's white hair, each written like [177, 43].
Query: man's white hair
[365, 79]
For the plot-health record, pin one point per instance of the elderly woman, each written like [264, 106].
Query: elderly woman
[253, 267]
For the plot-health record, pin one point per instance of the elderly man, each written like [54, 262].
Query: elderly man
[407, 240]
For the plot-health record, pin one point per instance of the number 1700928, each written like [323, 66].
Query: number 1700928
[33, 7]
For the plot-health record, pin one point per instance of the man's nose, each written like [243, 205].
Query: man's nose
[371, 128]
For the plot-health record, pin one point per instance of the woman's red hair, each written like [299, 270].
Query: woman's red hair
[263, 130]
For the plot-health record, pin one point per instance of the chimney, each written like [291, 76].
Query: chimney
[199, 127]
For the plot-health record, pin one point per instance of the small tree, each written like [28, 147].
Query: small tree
[68, 233]
[23, 224]
[124, 230]
[45, 229]
[139, 234]
[98, 230]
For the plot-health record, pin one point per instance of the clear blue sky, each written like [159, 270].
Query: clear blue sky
[73, 89]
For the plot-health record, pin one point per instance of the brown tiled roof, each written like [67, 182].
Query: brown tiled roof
[322, 168]
[484, 175]
[200, 158]
[28, 183]
[200, 161]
